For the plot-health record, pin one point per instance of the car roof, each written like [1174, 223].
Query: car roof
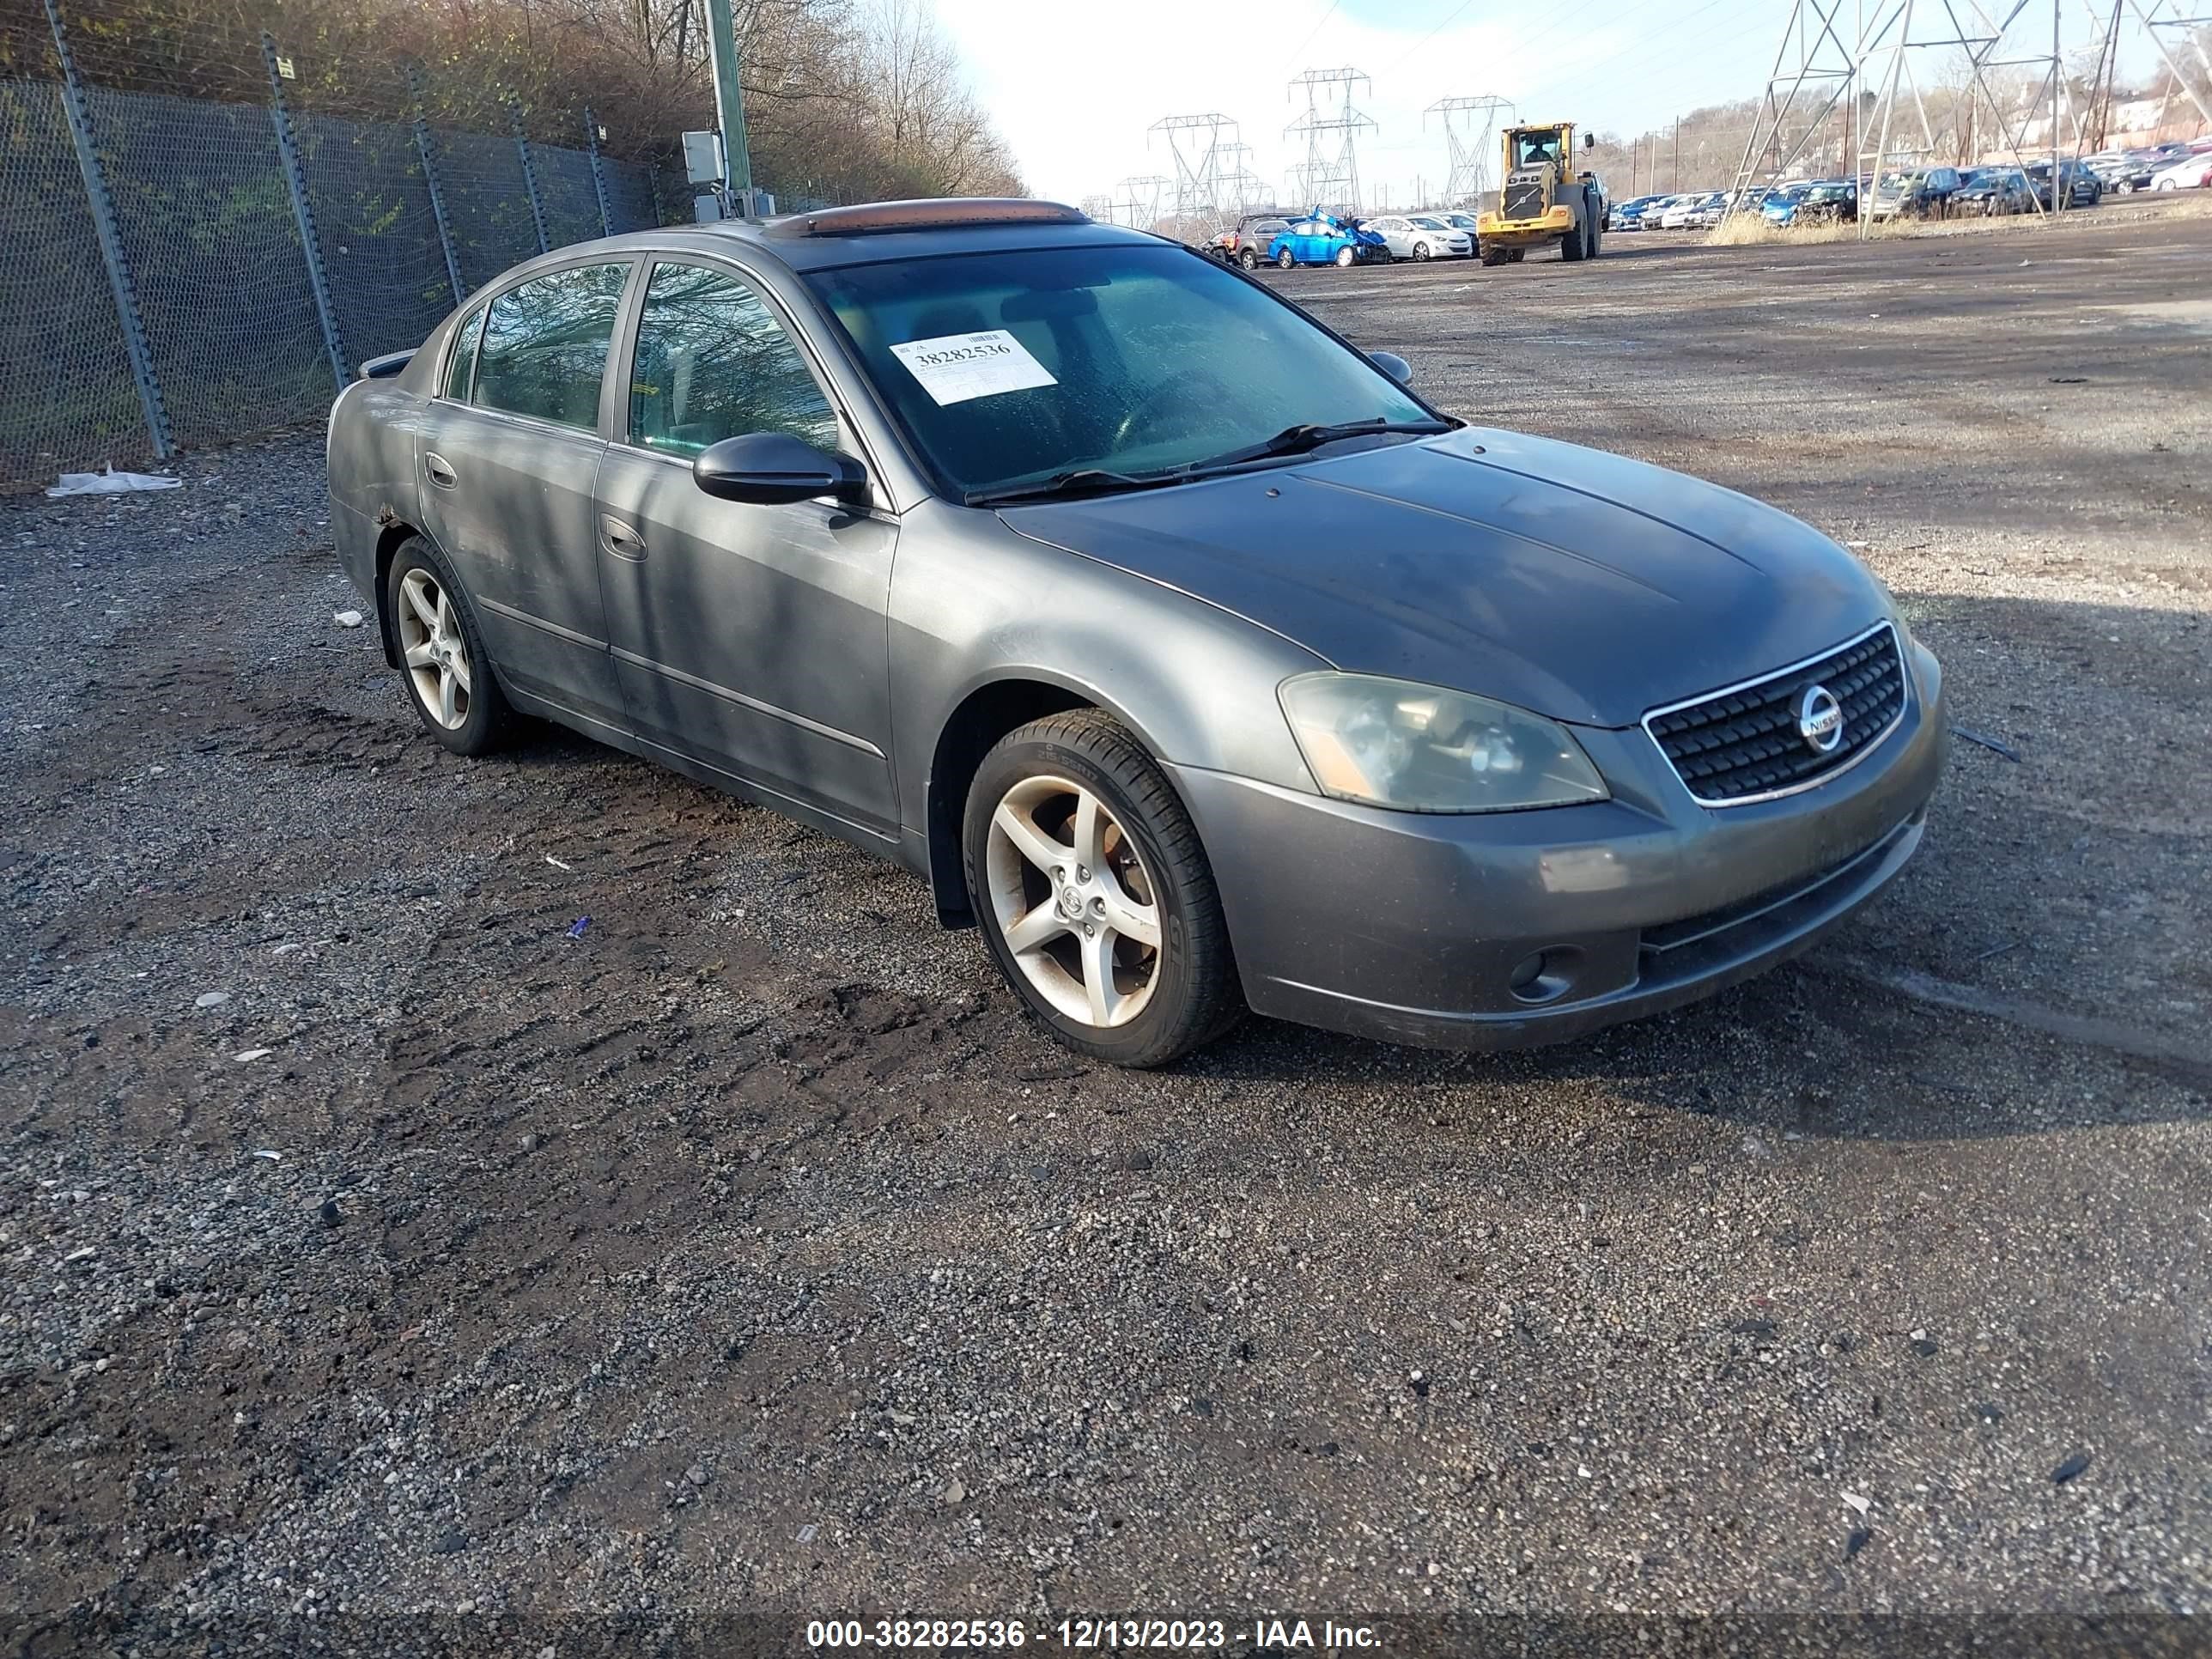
[789, 242]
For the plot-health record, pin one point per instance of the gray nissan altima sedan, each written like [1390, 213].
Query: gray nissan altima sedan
[1178, 643]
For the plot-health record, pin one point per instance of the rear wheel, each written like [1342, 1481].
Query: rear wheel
[1248, 259]
[1495, 256]
[1095, 897]
[1515, 255]
[441, 653]
[1345, 255]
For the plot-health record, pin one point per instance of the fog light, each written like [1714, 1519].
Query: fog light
[1546, 976]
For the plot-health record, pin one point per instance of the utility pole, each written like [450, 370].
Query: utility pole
[1677, 155]
[2060, 188]
[730, 105]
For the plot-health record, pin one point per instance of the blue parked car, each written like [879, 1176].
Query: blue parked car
[1323, 239]
[1629, 216]
[1780, 207]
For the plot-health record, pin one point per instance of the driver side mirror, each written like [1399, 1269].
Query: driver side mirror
[1393, 365]
[773, 469]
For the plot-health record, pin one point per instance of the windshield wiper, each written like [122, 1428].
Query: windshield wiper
[1083, 481]
[1305, 436]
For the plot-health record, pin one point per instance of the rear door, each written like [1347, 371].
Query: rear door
[753, 638]
[508, 455]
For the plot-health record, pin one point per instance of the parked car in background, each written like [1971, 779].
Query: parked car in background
[1323, 239]
[1920, 193]
[1422, 236]
[1629, 216]
[2189, 172]
[1247, 242]
[2135, 170]
[1990, 191]
[1172, 641]
[1775, 204]
[1826, 201]
[2083, 187]
[1688, 212]
[1465, 221]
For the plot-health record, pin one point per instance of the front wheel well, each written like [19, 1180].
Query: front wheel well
[986, 715]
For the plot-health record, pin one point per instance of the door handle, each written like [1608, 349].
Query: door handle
[621, 539]
[435, 467]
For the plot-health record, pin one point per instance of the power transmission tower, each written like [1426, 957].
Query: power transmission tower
[1198, 143]
[2151, 24]
[1863, 67]
[1138, 206]
[1469, 125]
[1329, 176]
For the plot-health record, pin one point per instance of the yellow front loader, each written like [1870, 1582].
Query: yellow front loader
[1544, 199]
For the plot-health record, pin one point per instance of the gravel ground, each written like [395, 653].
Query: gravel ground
[751, 1253]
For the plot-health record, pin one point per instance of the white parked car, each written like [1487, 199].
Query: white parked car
[1687, 212]
[1422, 236]
[2190, 172]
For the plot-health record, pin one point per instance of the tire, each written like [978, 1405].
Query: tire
[1248, 259]
[1514, 256]
[430, 613]
[2165, 184]
[1285, 259]
[1570, 243]
[1420, 252]
[1495, 256]
[1185, 985]
[1597, 238]
[2123, 188]
[1344, 258]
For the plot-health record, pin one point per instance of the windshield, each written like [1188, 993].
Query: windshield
[1535, 149]
[1008, 369]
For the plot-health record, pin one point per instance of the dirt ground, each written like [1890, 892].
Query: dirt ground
[750, 1259]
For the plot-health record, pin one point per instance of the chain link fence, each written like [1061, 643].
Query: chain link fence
[181, 271]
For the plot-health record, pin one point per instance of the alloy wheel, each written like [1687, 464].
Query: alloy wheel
[433, 650]
[1073, 901]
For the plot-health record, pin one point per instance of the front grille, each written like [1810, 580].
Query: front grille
[1743, 745]
[1524, 201]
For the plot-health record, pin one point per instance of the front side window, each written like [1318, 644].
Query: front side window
[1010, 369]
[464, 361]
[713, 362]
[544, 349]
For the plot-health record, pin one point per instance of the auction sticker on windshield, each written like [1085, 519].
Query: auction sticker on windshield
[954, 367]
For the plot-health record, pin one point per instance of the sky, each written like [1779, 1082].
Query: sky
[1075, 84]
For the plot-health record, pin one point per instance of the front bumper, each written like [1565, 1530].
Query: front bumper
[1412, 927]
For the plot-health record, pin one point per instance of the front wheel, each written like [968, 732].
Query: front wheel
[1285, 259]
[1420, 250]
[1095, 897]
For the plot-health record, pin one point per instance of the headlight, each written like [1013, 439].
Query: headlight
[1422, 749]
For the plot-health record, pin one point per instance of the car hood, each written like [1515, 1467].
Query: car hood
[1579, 584]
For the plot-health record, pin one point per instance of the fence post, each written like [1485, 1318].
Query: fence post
[529, 176]
[427, 152]
[598, 172]
[311, 246]
[135, 346]
[652, 183]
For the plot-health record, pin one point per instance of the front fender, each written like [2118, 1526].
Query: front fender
[974, 601]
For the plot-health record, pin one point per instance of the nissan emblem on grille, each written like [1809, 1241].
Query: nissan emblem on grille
[1820, 719]
[1788, 729]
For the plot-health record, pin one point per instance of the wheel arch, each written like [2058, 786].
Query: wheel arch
[391, 537]
[986, 713]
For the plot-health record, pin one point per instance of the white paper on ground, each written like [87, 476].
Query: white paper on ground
[954, 367]
[109, 481]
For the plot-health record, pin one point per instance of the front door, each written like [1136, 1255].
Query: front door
[753, 638]
[508, 455]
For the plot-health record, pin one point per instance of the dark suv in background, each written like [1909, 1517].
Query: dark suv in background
[1246, 243]
[2083, 187]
